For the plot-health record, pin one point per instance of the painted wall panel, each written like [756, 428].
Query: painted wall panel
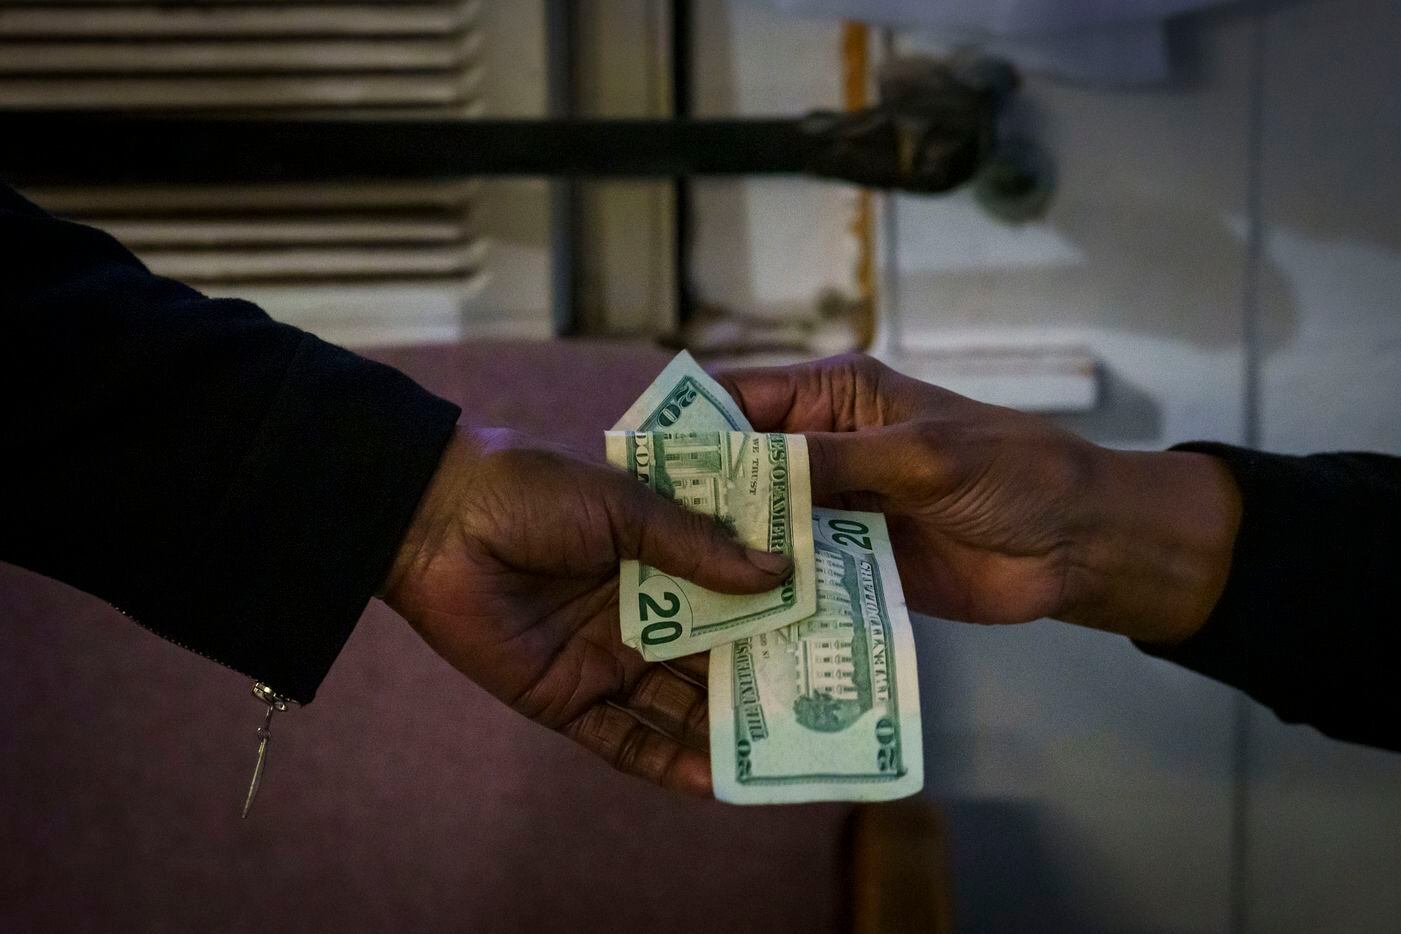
[1325, 818]
[1090, 786]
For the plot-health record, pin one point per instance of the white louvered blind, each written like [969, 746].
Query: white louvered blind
[298, 246]
[211, 235]
[246, 55]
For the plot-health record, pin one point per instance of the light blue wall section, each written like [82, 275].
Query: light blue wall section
[1147, 260]
[1090, 786]
[1324, 830]
[1245, 220]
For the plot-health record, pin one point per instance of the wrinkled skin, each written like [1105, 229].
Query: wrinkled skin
[980, 500]
[510, 573]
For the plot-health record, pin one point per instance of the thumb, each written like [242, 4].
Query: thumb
[658, 532]
[766, 395]
[885, 461]
[846, 462]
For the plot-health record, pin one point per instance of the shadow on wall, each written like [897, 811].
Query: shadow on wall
[1184, 37]
[1153, 268]
[1126, 414]
[1148, 240]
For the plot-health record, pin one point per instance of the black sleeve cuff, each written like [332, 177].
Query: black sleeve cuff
[1307, 623]
[309, 528]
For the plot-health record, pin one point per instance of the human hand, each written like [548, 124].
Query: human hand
[510, 572]
[1001, 517]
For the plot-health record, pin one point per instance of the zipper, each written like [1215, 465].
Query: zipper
[276, 703]
[176, 642]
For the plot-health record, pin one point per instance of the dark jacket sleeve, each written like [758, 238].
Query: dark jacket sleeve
[234, 484]
[1310, 620]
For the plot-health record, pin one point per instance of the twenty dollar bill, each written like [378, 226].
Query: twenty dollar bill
[827, 708]
[683, 397]
[756, 485]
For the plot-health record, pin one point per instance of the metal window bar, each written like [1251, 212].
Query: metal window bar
[213, 94]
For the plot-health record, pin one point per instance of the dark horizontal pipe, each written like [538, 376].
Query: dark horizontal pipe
[102, 148]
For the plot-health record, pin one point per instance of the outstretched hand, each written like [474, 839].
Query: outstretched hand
[998, 516]
[510, 572]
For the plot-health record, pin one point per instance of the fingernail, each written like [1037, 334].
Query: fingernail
[769, 562]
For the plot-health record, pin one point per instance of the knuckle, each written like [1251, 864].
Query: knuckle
[644, 693]
[696, 545]
[696, 723]
[822, 457]
[631, 754]
[589, 727]
[631, 512]
[852, 384]
[935, 452]
[937, 435]
[665, 700]
[698, 532]
[861, 369]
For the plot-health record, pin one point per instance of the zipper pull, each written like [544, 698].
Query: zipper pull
[276, 704]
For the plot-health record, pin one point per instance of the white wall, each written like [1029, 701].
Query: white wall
[1091, 785]
[767, 247]
[1091, 788]
[1324, 831]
